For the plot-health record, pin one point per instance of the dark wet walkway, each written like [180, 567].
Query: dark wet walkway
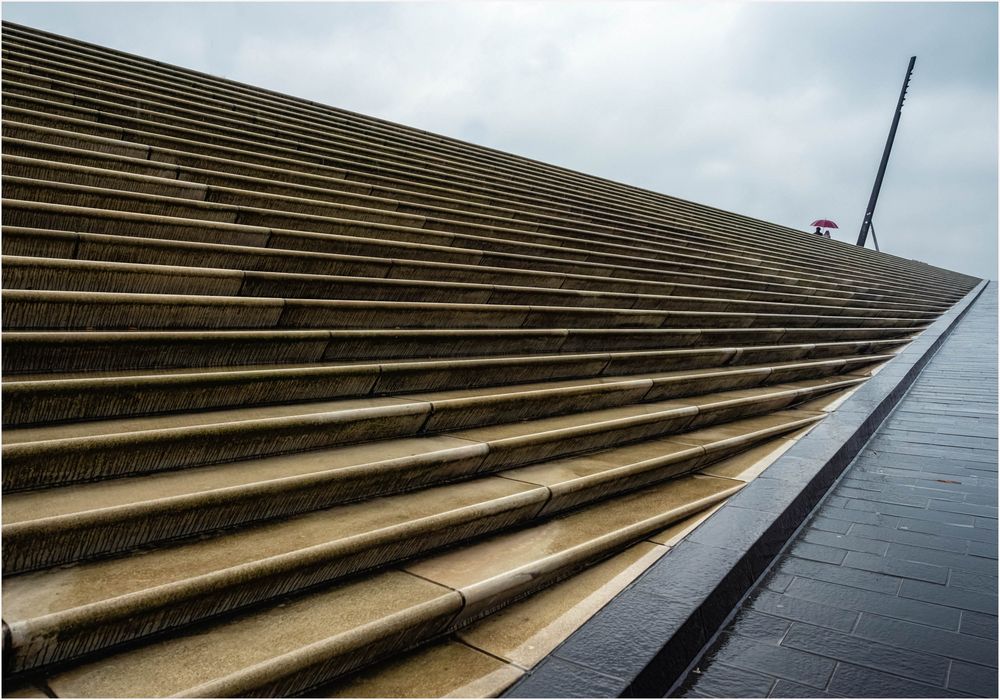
[890, 590]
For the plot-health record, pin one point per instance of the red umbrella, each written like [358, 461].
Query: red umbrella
[824, 223]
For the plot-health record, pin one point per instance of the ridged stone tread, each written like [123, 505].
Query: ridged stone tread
[275, 371]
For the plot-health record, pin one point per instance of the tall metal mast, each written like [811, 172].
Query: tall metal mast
[866, 224]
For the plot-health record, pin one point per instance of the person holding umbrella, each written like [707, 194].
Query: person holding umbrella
[823, 223]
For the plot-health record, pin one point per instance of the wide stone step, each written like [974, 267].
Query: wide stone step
[89, 398]
[21, 272]
[62, 454]
[83, 398]
[412, 230]
[257, 192]
[227, 173]
[173, 586]
[26, 175]
[84, 195]
[66, 245]
[65, 524]
[56, 310]
[74, 58]
[280, 128]
[272, 135]
[37, 353]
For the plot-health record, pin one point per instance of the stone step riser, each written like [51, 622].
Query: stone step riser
[27, 273]
[107, 110]
[204, 185]
[264, 212]
[39, 402]
[41, 464]
[854, 275]
[65, 311]
[27, 353]
[282, 130]
[81, 400]
[84, 630]
[244, 248]
[47, 542]
[324, 118]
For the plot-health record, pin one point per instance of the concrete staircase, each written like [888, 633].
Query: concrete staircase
[290, 390]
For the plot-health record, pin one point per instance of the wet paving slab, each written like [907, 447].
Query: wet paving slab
[890, 589]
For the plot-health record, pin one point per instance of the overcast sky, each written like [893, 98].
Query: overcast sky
[774, 110]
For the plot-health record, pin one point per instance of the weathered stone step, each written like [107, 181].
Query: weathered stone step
[383, 241]
[377, 261]
[238, 128]
[52, 455]
[327, 118]
[309, 640]
[43, 528]
[351, 538]
[374, 224]
[225, 112]
[225, 172]
[245, 190]
[625, 361]
[30, 273]
[312, 640]
[58, 400]
[24, 171]
[281, 128]
[41, 160]
[55, 310]
[875, 279]
[485, 657]
[123, 599]
[40, 353]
